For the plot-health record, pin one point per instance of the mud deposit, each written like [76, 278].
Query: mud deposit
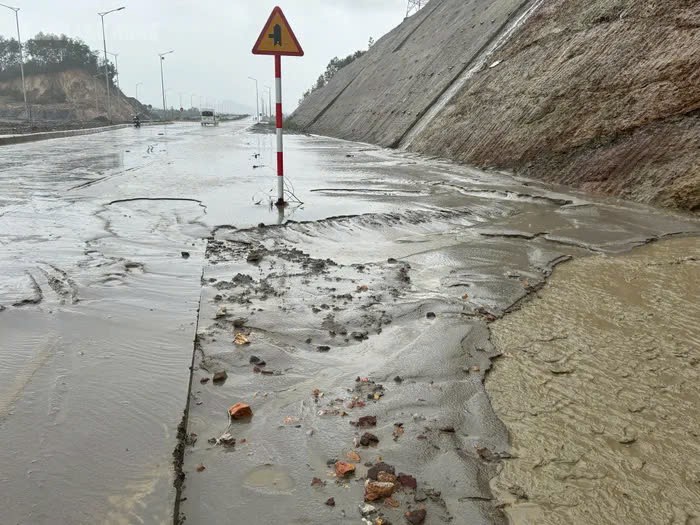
[361, 342]
[598, 385]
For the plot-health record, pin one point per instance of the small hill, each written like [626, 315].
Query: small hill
[73, 95]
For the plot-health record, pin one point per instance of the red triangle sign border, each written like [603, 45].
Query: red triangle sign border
[277, 11]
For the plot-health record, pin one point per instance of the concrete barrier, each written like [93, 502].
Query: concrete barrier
[6, 140]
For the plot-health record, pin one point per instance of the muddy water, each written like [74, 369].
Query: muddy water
[98, 309]
[599, 387]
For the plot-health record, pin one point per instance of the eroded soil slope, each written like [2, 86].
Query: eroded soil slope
[602, 95]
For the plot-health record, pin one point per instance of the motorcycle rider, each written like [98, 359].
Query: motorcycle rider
[137, 121]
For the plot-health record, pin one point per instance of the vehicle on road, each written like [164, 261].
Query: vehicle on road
[137, 121]
[209, 118]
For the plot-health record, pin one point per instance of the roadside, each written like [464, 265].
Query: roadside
[598, 387]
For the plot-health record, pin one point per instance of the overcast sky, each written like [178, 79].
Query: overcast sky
[212, 40]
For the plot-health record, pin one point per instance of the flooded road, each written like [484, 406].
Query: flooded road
[393, 267]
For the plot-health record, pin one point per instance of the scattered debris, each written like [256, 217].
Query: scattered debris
[353, 456]
[204, 380]
[241, 339]
[240, 322]
[398, 431]
[373, 472]
[219, 377]
[365, 422]
[343, 469]
[362, 288]
[367, 510]
[227, 440]
[408, 481]
[323, 348]
[240, 411]
[255, 360]
[430, 315]
[318, 482]
[368, 439]
[416, 517]
[185, 255]
[391, 502]
[398, 379]
[201, 468]
[330, 502]
[290, 420]
[375, 490]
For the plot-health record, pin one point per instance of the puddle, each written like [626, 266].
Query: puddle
[269, 479]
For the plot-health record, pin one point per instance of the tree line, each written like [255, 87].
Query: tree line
[47, 53]
[335, 65]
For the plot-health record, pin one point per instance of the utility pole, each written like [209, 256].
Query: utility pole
[162, 81]
[257, 100]
[104, 42]
[269, 100]
[192, 100]
[21, 61]
[137, 89]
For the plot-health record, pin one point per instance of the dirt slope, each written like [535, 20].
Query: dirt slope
[64, 96]
[603, 95]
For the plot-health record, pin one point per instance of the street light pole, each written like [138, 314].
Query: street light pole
[269, 100]
[257, 100]
[192, 100]
[162, 81]
[21, 61]
[104, 43]
[137, 89]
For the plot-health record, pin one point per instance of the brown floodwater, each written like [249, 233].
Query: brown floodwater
[599, 388]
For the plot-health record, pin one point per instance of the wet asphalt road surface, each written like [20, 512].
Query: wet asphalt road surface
[108, 242]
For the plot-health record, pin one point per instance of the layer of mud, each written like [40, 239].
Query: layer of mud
[598, 386]
[383, 315]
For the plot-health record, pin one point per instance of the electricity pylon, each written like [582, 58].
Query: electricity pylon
[414, 6]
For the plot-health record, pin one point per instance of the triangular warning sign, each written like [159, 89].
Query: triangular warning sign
[277, 38]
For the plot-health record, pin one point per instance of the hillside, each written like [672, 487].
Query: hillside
[601, 94]
[66, 96]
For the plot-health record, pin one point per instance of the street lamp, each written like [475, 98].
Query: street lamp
[21, 60]
[137, 89]
[116, 66]
[104, 43]
[257, 100]
[162, 82]
[192, 100]
[269, 100]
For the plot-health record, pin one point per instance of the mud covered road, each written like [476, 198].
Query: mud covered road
[323, 326]
[388, 273]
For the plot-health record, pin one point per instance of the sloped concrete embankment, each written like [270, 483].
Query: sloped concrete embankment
[379, 97]
[601, 95]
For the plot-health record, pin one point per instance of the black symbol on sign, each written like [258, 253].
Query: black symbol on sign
[276, 35]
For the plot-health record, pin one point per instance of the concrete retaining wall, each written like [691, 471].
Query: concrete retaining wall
[6, 140]
[380, 96]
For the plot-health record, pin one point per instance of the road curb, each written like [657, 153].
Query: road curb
[35, 137]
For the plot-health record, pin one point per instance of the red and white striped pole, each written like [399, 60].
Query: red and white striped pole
[279, 123]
